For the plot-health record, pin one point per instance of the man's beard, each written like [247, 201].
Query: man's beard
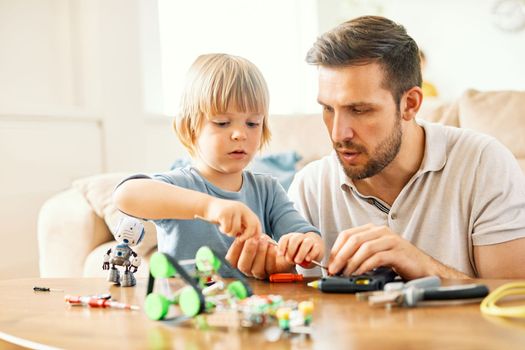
[385, 153]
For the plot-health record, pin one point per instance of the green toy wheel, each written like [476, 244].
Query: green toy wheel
[189, 301]
[156, 306]
[160, 267]
[238, 290]
[205, 260]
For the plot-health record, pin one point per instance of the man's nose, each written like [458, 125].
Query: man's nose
[342, 128]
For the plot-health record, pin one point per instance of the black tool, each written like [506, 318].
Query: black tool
[369, 281]
[46, 289]
[414, 294]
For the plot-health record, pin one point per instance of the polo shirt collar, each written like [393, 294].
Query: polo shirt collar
[434, 158]
[435, 155]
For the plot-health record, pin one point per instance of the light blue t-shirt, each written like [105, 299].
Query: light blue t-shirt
[261, 193]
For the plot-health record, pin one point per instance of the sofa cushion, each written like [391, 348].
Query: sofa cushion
[68, 229]
[98, 191]
[305, 134]
[497, 113]
[439, 111]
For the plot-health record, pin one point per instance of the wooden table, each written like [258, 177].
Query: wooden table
[43, 320]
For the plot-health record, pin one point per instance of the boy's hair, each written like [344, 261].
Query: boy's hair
[214, 84]
[372, 39]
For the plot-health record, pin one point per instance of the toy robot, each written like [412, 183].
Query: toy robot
[130, 232]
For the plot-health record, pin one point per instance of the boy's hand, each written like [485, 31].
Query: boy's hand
[234, 218]
[301, 248]
[257, 257]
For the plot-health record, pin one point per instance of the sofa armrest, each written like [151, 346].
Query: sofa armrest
[68, 230]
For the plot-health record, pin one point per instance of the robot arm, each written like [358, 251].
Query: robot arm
[135, 261]
[107, 256]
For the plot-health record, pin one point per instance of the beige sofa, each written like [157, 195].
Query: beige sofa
[74, 225]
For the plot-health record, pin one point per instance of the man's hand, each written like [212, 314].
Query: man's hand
[256, 257]
[361, 249]
[301, 248]
[234, 218]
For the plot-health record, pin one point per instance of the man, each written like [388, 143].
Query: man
[422, 198]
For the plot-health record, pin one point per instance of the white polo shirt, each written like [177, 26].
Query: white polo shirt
[469, 191]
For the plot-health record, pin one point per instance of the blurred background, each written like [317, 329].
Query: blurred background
[90, 86]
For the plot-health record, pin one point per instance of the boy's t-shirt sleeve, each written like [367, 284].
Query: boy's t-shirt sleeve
[170, 178]
[282, 215]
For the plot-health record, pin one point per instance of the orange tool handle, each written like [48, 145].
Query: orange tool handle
[286, 277]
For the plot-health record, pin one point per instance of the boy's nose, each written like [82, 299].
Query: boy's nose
[238, 135]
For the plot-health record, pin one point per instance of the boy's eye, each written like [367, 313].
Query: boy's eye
[253, 124]
[221, 123]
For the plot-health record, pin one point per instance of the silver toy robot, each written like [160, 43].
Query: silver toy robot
[130, 232]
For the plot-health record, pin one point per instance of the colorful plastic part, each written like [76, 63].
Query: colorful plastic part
[160, 266]
[283, 317]
[307, 309]
[190, 302]
[190, 299]
[238, 290]
[156, 306]
[206, 261]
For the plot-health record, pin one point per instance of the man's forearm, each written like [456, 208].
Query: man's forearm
[443, 271]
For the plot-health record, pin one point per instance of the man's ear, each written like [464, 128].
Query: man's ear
[411, 102]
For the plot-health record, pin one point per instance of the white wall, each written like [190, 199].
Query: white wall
[463, 46]
[71, 105]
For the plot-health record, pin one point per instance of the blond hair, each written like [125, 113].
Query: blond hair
[215, 83]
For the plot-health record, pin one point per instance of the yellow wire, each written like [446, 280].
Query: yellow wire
[488, 305]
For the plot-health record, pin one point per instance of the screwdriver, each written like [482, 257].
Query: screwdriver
[286, 277]
[46, 289]
[97, 302]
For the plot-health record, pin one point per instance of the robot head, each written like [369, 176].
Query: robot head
[130, 231]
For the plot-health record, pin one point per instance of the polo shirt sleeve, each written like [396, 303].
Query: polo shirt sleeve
[498, 211]
[302, 192]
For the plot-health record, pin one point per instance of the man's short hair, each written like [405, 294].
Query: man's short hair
[372, 39]
[216, 83]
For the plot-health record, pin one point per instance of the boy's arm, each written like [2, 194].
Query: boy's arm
[151, 199]
[284, 218]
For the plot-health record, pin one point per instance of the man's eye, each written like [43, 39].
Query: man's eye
[327, 109]
[252, 124]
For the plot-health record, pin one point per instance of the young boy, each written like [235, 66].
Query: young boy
[223, 122]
